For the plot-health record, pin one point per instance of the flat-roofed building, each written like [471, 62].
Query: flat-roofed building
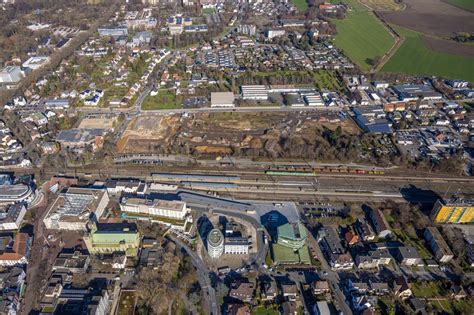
[313, 100]
[413, 92]
[272, 33]
[222, 99]
[11, 216]
[254, 92]
[236, 245]
[438, 245]
[73, 209]
[127, 186]
[456, 210]
[58, 103]
[155, 207]
[12, 193]
[35, 62]
[11, 74]
[73, 262]
[113, 31]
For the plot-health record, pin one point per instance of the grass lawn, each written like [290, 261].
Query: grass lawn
[261, 310]
[208, 11]
[362, 37]
[301, 5]
[426, 290]
[463, 4]
[165, 99]
[414, 58]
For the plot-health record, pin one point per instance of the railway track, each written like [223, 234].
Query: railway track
[246, 176]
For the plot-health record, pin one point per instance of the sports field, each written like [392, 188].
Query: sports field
[463, 4]
[301, 5]
[362, 38]
[414, 58]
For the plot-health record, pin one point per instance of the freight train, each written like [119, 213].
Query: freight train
[306, 171]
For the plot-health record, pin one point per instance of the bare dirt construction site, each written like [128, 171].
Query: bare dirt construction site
[431, 17]
[266, 134]
[98, 121]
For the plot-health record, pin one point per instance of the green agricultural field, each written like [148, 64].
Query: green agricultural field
[362, 37]
[414, 58]
[463, 4]
[165, 99]
[301, 5]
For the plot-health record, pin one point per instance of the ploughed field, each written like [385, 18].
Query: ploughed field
[431, 17]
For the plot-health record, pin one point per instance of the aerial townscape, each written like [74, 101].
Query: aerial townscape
[294, 157]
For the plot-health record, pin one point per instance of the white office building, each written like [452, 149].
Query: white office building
[176, 210]
[275, 33]
[11, 216]
[236, 246]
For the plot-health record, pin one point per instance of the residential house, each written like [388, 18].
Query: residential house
[237, 309]
[373, 259]
[333, 249]
[408, 256]
[438, 245]
[401, 288]
[379, 288]
[351, 238]
[364, 230]
[320, 287]
[457, 292]
[379, 223]
[289, 291]
[269, 290]
[242, 291]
